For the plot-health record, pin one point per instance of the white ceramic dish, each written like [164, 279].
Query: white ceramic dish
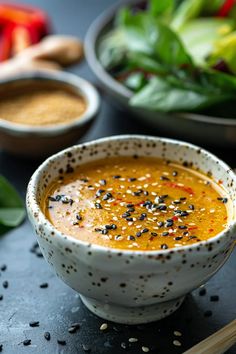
[29, 140]
[122, 285]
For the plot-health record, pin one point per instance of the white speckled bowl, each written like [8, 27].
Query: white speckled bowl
[122, 285]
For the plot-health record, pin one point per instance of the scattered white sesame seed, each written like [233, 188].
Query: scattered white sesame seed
[145, 185]
[153, 193]
[110, 189]
[121, 186]
[133, 340]
[129, 191]
[148, 175]
[124, 228]
[154, 184]
[130, 223]
[115, 218]
[177, 343]
[103, 327]
[145, 349]
[177, 333]
[212, 210]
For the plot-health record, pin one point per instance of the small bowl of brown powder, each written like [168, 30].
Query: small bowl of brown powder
[43, 112]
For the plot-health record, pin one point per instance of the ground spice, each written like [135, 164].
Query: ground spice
[44, 106]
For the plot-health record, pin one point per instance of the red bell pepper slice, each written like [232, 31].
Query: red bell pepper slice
[226, 8]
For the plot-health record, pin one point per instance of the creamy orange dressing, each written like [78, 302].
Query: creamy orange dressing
[136, 204]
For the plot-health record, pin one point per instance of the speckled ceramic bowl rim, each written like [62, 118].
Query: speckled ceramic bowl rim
[91, 38]
[87, 91]
[34, 208]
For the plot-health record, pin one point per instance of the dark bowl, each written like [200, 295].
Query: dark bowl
[198, 128]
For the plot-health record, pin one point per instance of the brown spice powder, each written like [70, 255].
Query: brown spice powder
[45, 106]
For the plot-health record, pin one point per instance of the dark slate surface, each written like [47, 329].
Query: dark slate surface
[57, 306]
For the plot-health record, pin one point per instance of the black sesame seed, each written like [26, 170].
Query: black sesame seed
[34, 324]
[1, 348]
[52, 199]
[184, 213]
[182, 227]
[183, 198]
[47, 335]
[164, 246]
[144, 230]
[164, 196]
[126, 214]
[1, 297]
[43, 285]
[5, 284]
[166, 233]
[105, 232]
[130, 205]
[208, 313]
[117, 237]
[107, 196]
[193, 237]
[154, 234]
[97, 229]
[61, 342]
[162, 207]
[164, 178]
[99, 192]
[138, 234]
[175, 173]
[185, 233]
[141, 218]
[131, 238]
[72, 329]
[214, 298]
[86, 348]
[132, 179]
[145, 193]
[131, 210]
[129, 219]
[114, 227]
[27, 342]
[202, 292]
[160, 223]
[191, 207]
[98, 206]
[169, 223]
[85, 180]
[3, 268]
[176, 202]
[178, 238]
[117, 176]
[109, 227]
[78, 217]
[137, 194]
[103, 182]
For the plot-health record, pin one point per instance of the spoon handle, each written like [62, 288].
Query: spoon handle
[218, 342]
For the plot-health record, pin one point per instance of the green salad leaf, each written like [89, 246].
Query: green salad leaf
[12, 211]
[167, 55]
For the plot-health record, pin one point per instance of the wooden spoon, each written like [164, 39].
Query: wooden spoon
[218, 342]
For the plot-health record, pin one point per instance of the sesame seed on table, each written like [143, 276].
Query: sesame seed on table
[31, 294]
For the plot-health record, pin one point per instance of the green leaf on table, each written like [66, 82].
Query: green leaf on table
[12, 211]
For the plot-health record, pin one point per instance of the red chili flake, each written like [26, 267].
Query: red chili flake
[220, 181]
[183, 188]
[225, 218]
[210, 230]
[192, 228]
[175, 218]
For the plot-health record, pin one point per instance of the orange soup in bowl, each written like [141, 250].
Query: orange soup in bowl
[140, 203]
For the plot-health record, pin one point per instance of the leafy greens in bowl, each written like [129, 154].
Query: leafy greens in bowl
[174, 56]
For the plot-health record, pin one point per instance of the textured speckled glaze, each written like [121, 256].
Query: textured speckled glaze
[122, 285]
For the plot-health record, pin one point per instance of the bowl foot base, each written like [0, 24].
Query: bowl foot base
[132, 315]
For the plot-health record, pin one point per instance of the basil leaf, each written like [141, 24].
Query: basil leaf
[167, 95]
